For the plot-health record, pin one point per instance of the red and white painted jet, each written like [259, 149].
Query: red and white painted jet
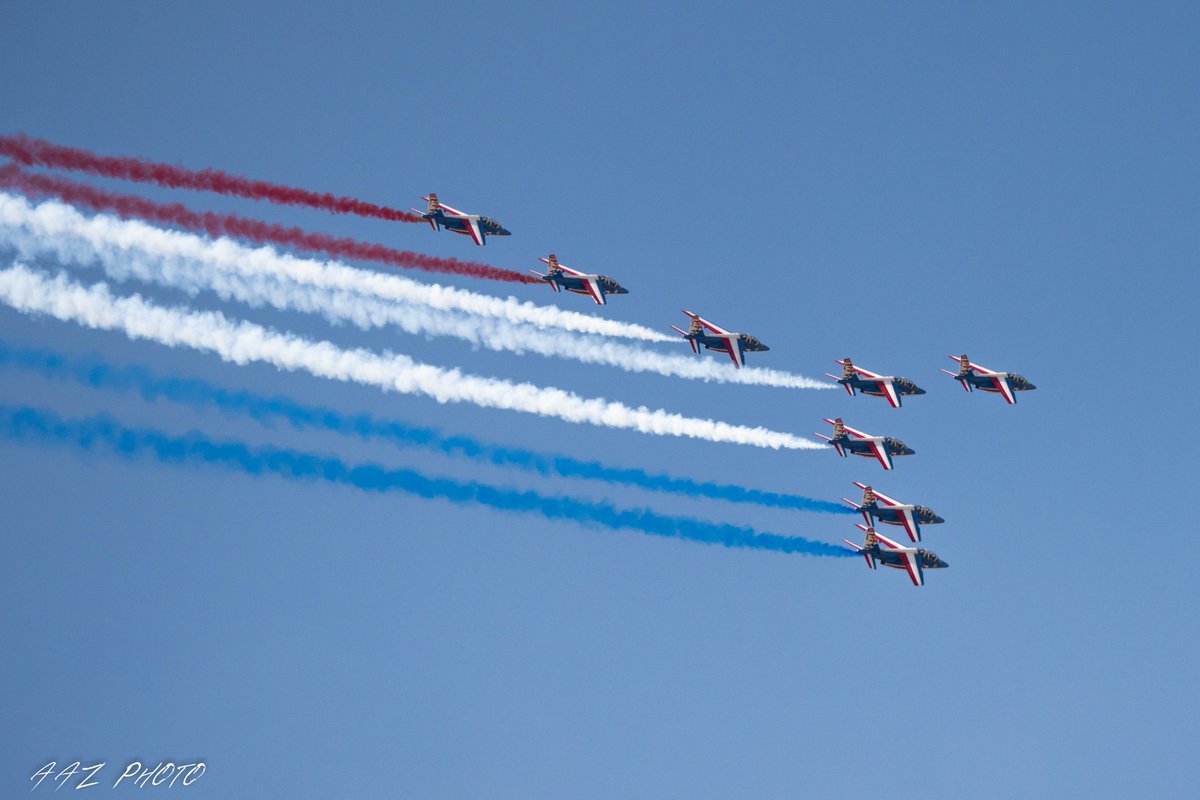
[477, 226]
[877, 506]
[1006, 384]
[562, 278]
[878, 549]
[848, 440]
[702, 333]
[855, 379]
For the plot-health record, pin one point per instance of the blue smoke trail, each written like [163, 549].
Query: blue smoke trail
[102, 433]
[197, 393]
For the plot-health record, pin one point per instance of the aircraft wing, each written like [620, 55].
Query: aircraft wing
[1004, 387]
[714, 328]
[731, 347]
[593, 287]
[980, 369]
[879, 496]
[473, 229]
[889, 391]
[908, 556]
[451, 212]
[910, 523]
[857, 434]
[881, 454]
[866, 373]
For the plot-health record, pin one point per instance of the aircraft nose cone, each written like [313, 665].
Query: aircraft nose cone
[936, 520]
[504, 232]
[918, 390]
[763, 348]
[621, 290]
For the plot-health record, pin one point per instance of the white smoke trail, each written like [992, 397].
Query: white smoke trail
[329, 274]
[257, 276]
[244, 342]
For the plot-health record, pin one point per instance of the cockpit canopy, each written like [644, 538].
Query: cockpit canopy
[751, 343]
[930, 560]
[926, 515]
[491, 226]
[1019, 382]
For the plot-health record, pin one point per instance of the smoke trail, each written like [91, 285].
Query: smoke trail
[13, 177]
[202, 394]
[54, 218]
[133, 249]
[40, 153]
[243, 342]
[92, 433]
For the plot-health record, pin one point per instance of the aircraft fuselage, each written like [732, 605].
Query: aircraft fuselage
[488, 227]
[579, 285]
[862, 447]
[987, 383]
[870, 387]
[746, 343]
[887, 558]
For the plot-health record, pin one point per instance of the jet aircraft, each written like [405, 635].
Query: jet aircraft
[977, 377]
[878, 549]
[878, 507]
[564, 278]
[847, 440]
[703, 333]
[476, 226]
[856, 379]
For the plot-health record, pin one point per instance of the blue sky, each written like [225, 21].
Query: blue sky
[893, 184]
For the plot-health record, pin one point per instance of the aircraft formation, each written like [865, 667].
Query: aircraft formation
[876, 507]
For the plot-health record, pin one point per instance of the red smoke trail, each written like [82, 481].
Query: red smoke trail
[13, 177]
[39, 153]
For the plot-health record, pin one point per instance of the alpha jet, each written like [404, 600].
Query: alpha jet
[878, 549]
[856, 379]
[847, 440]
[973, 376]
[563, 278]
[878, 507]
[476, 226]
[702, 333]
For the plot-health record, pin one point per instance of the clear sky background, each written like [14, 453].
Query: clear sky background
[890, 183]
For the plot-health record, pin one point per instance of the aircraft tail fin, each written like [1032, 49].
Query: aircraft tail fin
[849, 389]
[872, 539]
[434, 205]
[684, 334]
[847, 369]
[862, 550]
[964, 364]
[552, 260]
